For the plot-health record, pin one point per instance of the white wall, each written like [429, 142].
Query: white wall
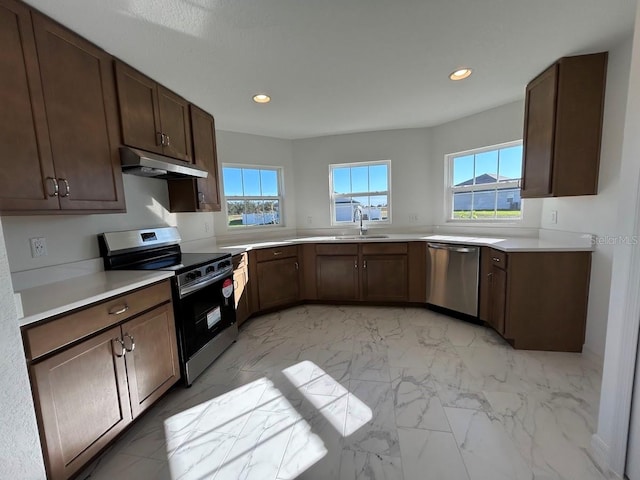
[20, 454]
[242, 148]
[491, 127]
[410, 174]
[71, 238]
[610, 442]
[596, 214]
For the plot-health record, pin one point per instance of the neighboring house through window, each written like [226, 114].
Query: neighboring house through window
[253, 195]
[484, 184]
[360, 189]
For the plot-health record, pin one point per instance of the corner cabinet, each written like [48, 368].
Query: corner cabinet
[203, 194]
[276, 282]
[94, 371]
[536, 300]
[153, 118]
[59, 129]
[562, 128]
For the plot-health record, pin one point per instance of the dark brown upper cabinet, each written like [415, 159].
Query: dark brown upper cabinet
[59, 124]
[562, 128]
[153, 118]
[80, 101]
[203, 194]
[27, 175]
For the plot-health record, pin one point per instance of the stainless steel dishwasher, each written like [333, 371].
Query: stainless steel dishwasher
[453, 277]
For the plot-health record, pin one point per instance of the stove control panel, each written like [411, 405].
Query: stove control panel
[199, 277]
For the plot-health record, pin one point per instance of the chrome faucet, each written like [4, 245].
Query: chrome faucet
[363, 228]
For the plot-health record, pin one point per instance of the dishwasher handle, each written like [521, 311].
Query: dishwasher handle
[441, 246]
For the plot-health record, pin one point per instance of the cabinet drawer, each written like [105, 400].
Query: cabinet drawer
[266, 254]
[337, 249]
[498, 258]
[50, 336]
[383, 248]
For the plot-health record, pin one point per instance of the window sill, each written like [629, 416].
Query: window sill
[485, 221]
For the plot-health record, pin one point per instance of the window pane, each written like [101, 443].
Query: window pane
[378, 178]
[462, 204]
[511, 162]
[343, 209]
[487, 167]
[271, 212]
[360, 179]
[254, 214]
[235, 211]
[484, 204]
[232, 180]
[269, 180]
[251, 179]
[341, 180]
[463, 170]
[378, 209]
[509, 203]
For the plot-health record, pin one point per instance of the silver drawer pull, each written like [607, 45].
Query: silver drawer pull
[117, 310]
[277, 253]
[67, 191]
[496, 259]
[133, 343]
[123, 350]
[56, 187]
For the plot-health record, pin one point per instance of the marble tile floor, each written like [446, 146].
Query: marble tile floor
[331, 392]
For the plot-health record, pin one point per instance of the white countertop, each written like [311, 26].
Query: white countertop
[506, 244]
[55, 298]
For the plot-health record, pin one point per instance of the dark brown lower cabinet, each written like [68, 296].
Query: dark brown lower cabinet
[278, 282]
[337, 277]
[536, 300]
[87, 393]
[384, 278]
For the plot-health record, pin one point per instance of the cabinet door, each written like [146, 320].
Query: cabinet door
[82, 401]
[174, 121]
[202, 194]
[337, 277]
[139, 113]
[152, 356]
[539, 133]
[27, 173]
[497, 310]
[385, 278]
[278, 282]
[80, 99]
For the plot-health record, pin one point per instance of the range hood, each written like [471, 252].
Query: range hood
[147, 164]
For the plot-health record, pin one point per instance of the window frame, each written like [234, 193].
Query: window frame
[333, 197]
[225, 198]
[450, 189]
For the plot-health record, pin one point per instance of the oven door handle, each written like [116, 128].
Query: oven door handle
[189, 289]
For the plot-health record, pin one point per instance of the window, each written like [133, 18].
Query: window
[484, 184]
[360, 187]
[253, 195]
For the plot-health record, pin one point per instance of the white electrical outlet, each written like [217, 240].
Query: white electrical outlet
[413, 217]
[38, 247]
[206, 227]
[309, 220]
[554, 216]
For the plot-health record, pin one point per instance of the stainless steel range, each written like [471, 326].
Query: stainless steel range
[202, 290]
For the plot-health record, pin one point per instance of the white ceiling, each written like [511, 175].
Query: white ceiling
[341, 66]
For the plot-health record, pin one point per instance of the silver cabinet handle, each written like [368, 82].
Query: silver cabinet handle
[133, 343]
[297, 266]
[355, 265]
[159, 138]
[67, 191]
[275, 254]
[123, 350]
[201, 197]
[489, 274]
[168, 141]
[56, 188]
[496, 259]
[364, 264]
[119, 309]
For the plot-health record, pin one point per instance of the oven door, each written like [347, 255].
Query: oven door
[204, 314]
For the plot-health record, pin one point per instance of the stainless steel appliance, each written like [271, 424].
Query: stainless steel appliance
[453, 277]
[202, 290]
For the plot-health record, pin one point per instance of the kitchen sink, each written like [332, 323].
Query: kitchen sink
[359, 237]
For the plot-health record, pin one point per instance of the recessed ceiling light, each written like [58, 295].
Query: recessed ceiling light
[261, 98]
[460, 74]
